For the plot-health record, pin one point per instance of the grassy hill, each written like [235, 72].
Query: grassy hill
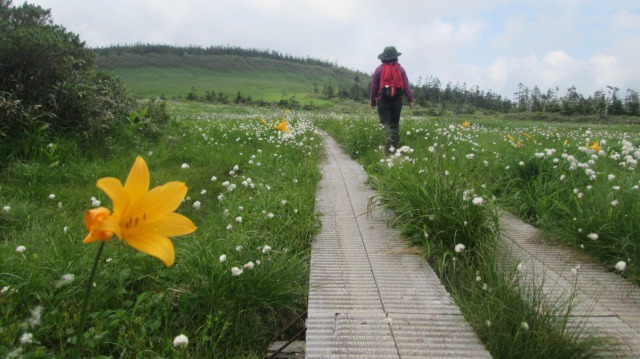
[262, 78]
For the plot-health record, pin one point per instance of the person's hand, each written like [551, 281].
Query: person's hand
[411, 105]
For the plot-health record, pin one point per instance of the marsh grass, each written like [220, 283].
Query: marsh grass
[138, 305]
[445, 189]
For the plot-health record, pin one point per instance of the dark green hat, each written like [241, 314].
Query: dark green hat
[389, 53]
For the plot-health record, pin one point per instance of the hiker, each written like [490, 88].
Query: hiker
[389, 85]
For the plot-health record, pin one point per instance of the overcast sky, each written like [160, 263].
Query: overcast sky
[494, 44]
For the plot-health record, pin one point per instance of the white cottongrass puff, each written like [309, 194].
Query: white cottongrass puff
[180, 341]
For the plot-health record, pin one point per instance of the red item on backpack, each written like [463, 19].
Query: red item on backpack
[391, 84]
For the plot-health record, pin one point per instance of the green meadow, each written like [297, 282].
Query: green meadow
[174, 83]
[242, 276]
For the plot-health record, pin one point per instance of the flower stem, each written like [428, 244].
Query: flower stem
[85, 305]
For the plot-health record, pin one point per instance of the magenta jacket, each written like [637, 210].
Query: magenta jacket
[375, 84]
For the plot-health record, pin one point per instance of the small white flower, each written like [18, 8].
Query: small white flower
[239, 248]
[52, 196]
[485, 286]
[478, 201]
[229, 227]
[64, 280]
[611, 177]
[266, 249]
[459, 247]
[95, 202]
[593, 236]
[478, 278]
[36, 316]
[108, 260]
[26, 338]
[615, 203]
[487, 323]
[220, 197]
[180, 341]
[249, 265]
[203, 192]
[223, 258]
[562, 178]
[214, 178]
[239, 219]
[197, 205]
[6, 208]
[185, 165]
[524, 326]
[283, 202]
[21, 249]
[235, 271]
[621, 266]
[65, 229]
[270, 215]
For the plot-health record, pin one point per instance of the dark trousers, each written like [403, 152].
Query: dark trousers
[389, 112]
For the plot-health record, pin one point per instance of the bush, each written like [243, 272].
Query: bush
[50, 89]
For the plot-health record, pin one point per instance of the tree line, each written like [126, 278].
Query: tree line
[144, 49]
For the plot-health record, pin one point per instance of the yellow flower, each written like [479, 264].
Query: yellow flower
[282, 126]
[517, 145]
[466, 124]
[566, 142]
[595, 146]
[94, 219]
[142, 218]
[263, 121]
[511, 138]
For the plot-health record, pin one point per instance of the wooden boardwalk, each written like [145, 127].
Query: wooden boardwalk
[370, 296]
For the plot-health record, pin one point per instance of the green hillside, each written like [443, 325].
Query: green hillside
[261, 78]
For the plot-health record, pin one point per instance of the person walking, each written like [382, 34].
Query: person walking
[389, 85]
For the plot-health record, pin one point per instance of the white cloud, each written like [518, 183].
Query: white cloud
[493, 43]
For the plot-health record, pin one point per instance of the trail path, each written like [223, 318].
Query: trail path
[603, 302]
[371, 296]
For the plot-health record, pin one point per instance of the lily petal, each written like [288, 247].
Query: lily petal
[112, 224]
[154, 245]
[160, 201]
[94, 220]
[174, 224]
[113, 188]
[137, 184]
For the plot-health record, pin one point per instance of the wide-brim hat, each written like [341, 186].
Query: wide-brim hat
[389, 53]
